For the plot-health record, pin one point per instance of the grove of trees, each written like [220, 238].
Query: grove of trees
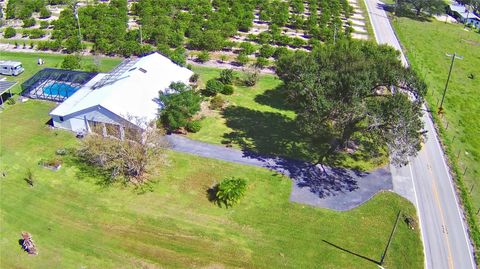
[169, 26]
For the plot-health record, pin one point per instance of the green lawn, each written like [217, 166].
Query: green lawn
[77, 222]
[29, 61]
[259, 119]
[426, 44]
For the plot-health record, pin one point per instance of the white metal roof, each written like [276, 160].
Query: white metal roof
[134, 93]
[10, 63]
[463, 12]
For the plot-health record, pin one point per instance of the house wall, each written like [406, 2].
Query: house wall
[473, 22]
[78, 122]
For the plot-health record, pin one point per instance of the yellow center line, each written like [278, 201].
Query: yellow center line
[442, 216]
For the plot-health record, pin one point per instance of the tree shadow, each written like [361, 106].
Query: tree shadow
[86, 171]
[351, 252]
[268, 133]
[405, 13]
[321, 180]
[276, 98]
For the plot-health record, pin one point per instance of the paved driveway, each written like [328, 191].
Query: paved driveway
[333, 188]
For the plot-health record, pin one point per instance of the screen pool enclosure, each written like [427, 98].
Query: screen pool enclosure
[55, 84]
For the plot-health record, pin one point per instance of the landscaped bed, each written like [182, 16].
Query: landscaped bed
[78, 221]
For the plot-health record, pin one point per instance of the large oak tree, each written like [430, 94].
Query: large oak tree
[355, 89]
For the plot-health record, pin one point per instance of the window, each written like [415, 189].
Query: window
[143, 70]
[61, 119]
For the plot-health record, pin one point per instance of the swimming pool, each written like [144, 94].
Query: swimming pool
[61, 89]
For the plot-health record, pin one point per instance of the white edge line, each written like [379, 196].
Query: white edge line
[469, 247]
[369, 13]
[419, 217]
[467, 241]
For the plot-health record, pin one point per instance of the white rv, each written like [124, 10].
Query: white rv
[11, 68]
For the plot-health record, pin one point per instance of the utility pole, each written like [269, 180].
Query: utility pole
[390, 239]
[466, 20]
[454, 56]
[75, 13]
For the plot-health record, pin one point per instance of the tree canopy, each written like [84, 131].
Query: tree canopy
[179, 106]
[430, 6]
[352, 91]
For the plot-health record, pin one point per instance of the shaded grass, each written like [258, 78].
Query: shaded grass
[260, 119]
[76, 222]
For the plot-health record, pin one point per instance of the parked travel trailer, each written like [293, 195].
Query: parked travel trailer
[11, 68]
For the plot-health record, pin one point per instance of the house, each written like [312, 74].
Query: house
[126, 98]
[463, 15]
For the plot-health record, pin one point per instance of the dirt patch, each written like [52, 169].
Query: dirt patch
[471, 42]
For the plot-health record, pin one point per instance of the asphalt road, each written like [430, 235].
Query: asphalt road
[445, 239]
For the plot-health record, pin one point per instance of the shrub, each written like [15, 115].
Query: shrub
[226, 76]
[44, 24]
[297, 42]
[36, 33]
[230, 191]
[242, 58]
[250, 77]
[279, 52]
[189, 66]
[193, 126]
[267, 51]
[28, 22]
[247, 48]
[194, 78]
[203, 57]
[227, 90]
[213, 87]
[179, 107]
[49, 45]
[217, 102]
[261, 62]
[45, 13]
[71, 62]
[9, 32]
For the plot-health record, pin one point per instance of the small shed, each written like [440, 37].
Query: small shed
[5, 87]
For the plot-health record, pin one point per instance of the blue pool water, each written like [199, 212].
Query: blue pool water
[60, 88]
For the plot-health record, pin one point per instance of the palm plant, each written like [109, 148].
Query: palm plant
[230, 190]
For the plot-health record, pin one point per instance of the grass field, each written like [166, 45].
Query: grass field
[426, 44]
[77, 222]
[29, 61]
[259, 119]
